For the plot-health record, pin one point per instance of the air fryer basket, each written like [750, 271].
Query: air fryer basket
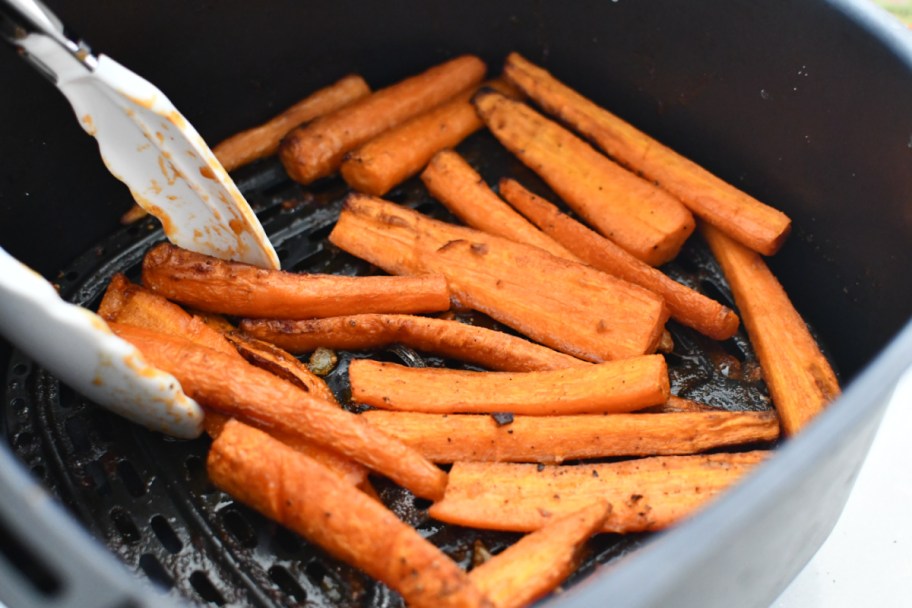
[759, 94]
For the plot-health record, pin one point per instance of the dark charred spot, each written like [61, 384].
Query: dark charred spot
[502, 418]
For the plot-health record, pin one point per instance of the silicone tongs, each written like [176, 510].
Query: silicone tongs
[171, 172]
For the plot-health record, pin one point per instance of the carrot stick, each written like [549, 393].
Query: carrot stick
[616, 386]
[537, 563]
[645, 495]
[447, 438]
[262, 141]
[687, 306]
[399, 153]
[453, 182]
[485, 347]
[237, 389]
[647, 222]
[233, 288]
[739, 215]
[297, 492]
[800, 379]
[562, 304]
[316, 150]
[678, 404]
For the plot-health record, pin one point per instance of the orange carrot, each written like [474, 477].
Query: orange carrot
[616, 386]
[395, 155]
[447, 438]
[645, 495]
[452, 181]
[739, 215]
[537, 563]
[562, 304]
[233, 288]
[262, 141]
[297, 492]
[800, 379]
[316, 150]
[485, 347]
[237, 389]
[687, 306]
[647, 222]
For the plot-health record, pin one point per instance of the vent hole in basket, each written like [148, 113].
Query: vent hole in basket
[97, 478]
[197, 478]
[124, 524]
[77, 431]
[155, 571]
[20, 556]
[316, 572]
[206, 589]
[131, 479]
[287, 541]
[165, 534]
[239, 527]
[281, 577]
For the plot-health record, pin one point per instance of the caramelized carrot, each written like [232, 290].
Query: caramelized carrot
[453, 182]
[316, 150]
[647, 222]
[678, 404]
[562, 304]
[299, 493]
[800, 379]
[485, 347]
[616, 386]
[262, 141]
[646, 494]
[237, 389]
[736, 213]
[447, 438]
[536, 564]
[233, 288]
[686, 305]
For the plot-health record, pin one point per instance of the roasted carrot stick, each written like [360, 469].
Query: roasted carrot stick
[237, 389]
[739, 215]
[800, 379]
[677, 404]
[645, 494]
[537, 563]
[686, 305]
[485, 347]
[644, 220]
[453, 182]
[401, 152]
[316, 150]
[615, 386]
[294, 490]
[562, 304]
[449, 438]
[262, 141]
[233, 288]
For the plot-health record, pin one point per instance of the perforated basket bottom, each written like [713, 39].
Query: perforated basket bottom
[148, 498]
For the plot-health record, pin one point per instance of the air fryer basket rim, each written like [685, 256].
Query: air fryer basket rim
[701, 542]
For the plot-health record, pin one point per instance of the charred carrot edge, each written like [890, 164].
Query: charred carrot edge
[292, 489]
[616, 386]
[646, 494]
[263, 140]
[401, 152]
[485, 347]
[647, 222]
[800, 379]
[686, 305]
[536, 564]
[234, 388]
[316, 150]
[233, 288]
[736, 213]
[679, 404]
[562, 304]
[453, 182]
[282, 364]
[446, 438]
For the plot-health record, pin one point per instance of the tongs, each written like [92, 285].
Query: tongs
[171, 172]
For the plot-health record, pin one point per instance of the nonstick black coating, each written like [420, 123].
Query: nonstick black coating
[803, 104]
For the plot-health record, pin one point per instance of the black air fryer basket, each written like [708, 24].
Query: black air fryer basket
[803, 104]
